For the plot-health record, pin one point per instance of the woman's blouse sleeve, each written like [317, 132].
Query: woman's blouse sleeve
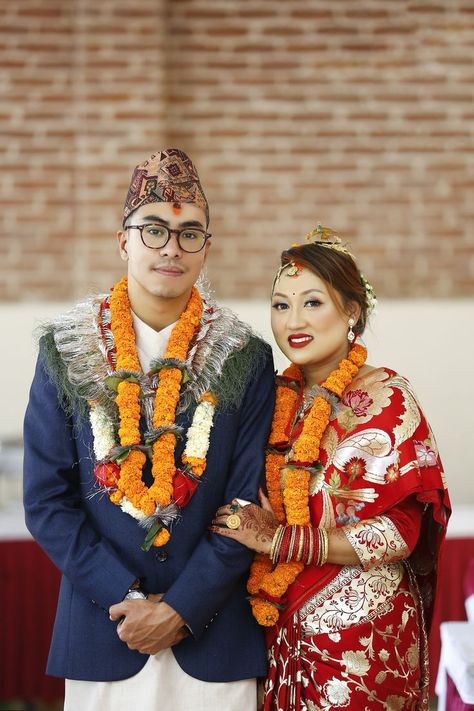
[389, 537]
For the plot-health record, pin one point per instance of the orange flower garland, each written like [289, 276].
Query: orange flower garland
[292, 506]
[130, 483]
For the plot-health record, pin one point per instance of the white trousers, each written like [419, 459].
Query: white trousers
[160, 686]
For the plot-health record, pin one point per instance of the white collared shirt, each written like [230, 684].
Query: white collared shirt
[150, 343]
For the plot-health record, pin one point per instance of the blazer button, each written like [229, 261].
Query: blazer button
[161, 556]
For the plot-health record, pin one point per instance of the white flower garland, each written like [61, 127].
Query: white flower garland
[197, 440]
[128, 508]
[197, 436]
[102, 430]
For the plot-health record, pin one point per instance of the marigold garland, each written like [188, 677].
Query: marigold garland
[291, 505]
[130, 484]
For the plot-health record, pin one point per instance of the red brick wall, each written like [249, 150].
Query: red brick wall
[355, 113]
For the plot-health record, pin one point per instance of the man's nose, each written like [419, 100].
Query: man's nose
[171, 248]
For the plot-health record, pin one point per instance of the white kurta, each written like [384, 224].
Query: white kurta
[161, 685]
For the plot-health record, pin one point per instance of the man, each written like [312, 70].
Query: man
[150, 407]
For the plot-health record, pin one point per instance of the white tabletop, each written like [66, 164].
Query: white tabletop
[461, 523]
[457, 659]
[12, 523]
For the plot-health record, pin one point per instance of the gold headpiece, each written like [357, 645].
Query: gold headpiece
[293, 271]
[326, 237]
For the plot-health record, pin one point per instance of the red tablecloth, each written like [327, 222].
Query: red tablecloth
[28, 594]
[453, 700]
[469, 579]
[455, 559]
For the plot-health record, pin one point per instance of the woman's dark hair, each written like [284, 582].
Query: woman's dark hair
[338, 270]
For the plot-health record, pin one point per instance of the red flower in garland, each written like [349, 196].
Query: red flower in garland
[183, 488]
[107, 474]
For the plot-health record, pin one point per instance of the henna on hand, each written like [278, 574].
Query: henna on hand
[256, 530]
[262, 523]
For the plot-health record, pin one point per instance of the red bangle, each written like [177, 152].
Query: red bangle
[314, 555]
[285, 544]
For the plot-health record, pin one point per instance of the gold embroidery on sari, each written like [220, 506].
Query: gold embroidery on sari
[376, 540]
[353, 597]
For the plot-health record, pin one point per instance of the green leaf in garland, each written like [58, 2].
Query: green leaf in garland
[148, 542]
[113, 381]
[149, 451]
[122, 456]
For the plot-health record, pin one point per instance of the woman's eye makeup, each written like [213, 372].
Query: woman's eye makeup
[313, 302]
[279, 305]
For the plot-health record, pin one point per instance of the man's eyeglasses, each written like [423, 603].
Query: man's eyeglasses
[155, 236]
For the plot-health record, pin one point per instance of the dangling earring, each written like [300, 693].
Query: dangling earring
[351, 334]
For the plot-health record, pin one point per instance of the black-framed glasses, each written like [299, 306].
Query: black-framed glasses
[155, 236]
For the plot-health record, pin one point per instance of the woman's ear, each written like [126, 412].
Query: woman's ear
[353, 311]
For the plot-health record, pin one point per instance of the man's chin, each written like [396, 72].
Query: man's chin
[169, 291]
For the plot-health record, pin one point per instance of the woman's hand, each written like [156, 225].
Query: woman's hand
[257, 524]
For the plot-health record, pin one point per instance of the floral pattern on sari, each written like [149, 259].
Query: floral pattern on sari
[354, 636]
[353, 597]
[377, 666]
[376, 541]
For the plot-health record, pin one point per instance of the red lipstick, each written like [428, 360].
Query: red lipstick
[299, 340]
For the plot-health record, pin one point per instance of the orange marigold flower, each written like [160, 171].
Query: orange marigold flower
[260, 567]
[209, 397]
[116, 496]
[274, 462]
[166, 400]
[264, 612]
[198, 464]
[285, 401]
[161, 538]
[292, 505]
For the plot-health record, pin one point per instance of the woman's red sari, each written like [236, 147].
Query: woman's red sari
[355, 636]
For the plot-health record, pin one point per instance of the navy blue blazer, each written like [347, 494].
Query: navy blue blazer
[97, 547]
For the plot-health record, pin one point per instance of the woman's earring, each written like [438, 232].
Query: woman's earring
[351, 334]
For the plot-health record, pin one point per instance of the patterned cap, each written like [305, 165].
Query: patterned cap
[167, 176]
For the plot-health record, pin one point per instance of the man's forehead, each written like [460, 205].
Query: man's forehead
[166, 212]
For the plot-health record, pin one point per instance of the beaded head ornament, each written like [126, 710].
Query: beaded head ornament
[326, 237]
[167, 176]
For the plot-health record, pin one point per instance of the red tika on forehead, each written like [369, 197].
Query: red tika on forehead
[167, 176]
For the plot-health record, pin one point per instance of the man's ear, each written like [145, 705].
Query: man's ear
[206, 250]
[122, 239]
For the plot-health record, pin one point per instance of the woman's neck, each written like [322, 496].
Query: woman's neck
[316, 373]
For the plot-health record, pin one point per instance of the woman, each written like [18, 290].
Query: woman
[357, 506]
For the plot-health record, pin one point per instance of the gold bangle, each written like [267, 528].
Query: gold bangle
[309, 559]
[300, 542]
[276, 543]
[324, 547]
[289, 555]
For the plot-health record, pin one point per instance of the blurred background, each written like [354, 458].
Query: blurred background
[358, 115]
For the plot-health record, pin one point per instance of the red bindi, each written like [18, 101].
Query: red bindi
[177, 208]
